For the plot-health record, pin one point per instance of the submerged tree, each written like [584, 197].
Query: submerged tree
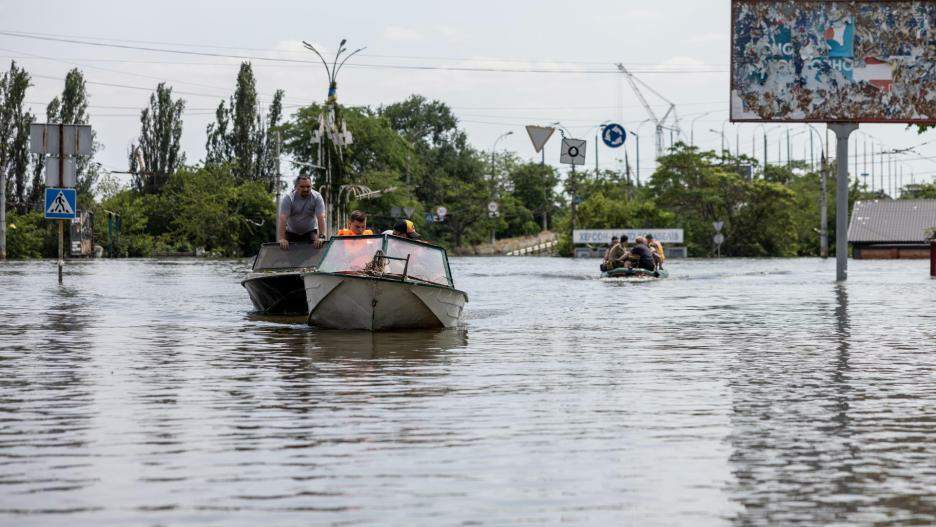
[14, 137]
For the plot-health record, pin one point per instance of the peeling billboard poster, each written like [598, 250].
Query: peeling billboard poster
[811, 61]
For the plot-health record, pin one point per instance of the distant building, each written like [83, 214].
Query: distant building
[891, 229]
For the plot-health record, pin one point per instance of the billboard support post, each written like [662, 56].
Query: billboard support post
[842, 131]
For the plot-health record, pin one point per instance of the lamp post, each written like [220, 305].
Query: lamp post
[823, 201]
[494, 182]
[692, 128]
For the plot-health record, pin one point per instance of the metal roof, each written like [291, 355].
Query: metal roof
[901, 220]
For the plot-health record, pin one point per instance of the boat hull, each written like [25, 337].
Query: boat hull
[339, 301]
[277, 293]
[622, 272]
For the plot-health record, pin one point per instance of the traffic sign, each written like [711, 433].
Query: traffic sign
[718, 239]
[69, 178]
[409, 211]
[441, 212]
[60, 203]
[718, 225]
[55, 139]
[492, 206]
[429, 217]
[573, 152]
[614, 135]
[539, 135]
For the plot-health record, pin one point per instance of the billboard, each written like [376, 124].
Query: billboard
[833, 61]
[603, 236]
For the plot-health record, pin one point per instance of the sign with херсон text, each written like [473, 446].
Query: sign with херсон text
[581, 236]
[835, 61]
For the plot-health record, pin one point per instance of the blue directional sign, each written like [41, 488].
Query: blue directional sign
[613, 135]
[61, 203]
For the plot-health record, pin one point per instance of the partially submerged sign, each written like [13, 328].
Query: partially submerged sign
[858, 61]
[60, 203]
[580, 236]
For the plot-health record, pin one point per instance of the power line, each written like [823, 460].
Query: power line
[663, 70]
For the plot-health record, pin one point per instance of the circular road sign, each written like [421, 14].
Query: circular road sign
[492, 206]
[441, 211]
[613, 135]
[718, 239]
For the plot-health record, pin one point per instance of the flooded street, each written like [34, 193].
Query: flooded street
[737, 392]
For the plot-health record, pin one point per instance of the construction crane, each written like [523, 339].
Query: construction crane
[659, 122]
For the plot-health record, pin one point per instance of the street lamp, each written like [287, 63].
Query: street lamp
[494, 181]
[692, 128]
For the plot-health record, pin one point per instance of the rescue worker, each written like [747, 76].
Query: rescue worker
[301, 215]
[404, 229]
[357, 225]
[657, 247]
[617, 255]
[640, 256]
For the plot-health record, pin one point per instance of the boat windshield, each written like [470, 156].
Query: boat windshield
[350, 254]
[353, 254]
[426, 262]
[299, 255]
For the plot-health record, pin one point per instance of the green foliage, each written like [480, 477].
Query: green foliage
[28, 235]
[14, 136]
[160, 136]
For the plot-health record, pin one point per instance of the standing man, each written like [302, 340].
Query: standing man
[301, 215]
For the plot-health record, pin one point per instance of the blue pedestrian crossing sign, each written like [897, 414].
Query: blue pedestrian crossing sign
[61, 203]
[613, 135]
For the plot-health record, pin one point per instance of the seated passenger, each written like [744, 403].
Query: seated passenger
[641, 256]
[657, 247]
[404, 229]
[357, 225]
[604, 259]
[617, 255]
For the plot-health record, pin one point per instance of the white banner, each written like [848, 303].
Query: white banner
[581, 236]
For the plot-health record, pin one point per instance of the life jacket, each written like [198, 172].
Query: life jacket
[349, 232]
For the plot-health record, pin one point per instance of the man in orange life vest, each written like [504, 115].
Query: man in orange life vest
[357, 225]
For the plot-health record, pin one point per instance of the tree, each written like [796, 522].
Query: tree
[268, 164]
[160, 135]
[218, 147]
[244, 133]
[14, 136]
[534, 185]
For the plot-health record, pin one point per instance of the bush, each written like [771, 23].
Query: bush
[30, 235]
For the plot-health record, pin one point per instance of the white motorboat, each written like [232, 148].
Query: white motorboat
[383, 282]
[274, 282]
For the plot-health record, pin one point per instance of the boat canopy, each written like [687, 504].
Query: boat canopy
[299, 255]
[406, 259]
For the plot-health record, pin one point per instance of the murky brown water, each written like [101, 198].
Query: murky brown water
[741, 392]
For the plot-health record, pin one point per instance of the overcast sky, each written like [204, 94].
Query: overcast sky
[581, 42]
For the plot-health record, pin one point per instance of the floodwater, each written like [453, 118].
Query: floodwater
[737, 392]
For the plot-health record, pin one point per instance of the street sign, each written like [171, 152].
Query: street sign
[573, 152]
[580, 236]
[69, 178]
[718, 225]
[48, 139]
[492, 206]
[60, 203]
[613, 135]
[539, 135]
[441, 211]
[429, 217]
[718, 239]
[409, 211]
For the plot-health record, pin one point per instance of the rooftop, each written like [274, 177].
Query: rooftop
[886, 220]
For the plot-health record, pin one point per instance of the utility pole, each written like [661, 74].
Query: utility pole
[279, 141]
[2, 215]
[823, 209]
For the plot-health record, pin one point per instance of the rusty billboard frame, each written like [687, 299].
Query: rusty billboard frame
[740, 111]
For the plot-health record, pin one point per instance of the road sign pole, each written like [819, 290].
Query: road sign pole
[842, 131]
[61, 184]
[572, 187]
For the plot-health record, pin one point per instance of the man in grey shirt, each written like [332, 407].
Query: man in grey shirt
[301, 215]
